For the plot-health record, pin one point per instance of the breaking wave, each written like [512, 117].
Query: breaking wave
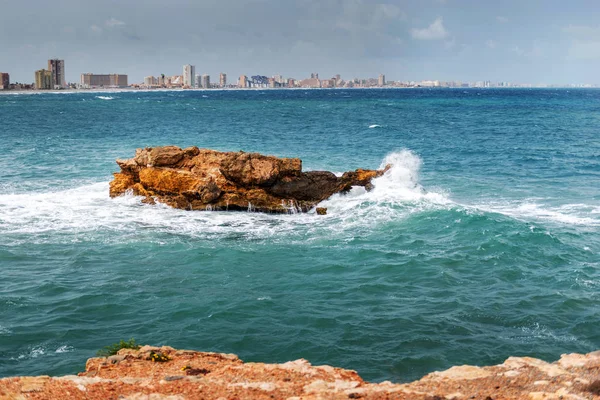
[84, 212]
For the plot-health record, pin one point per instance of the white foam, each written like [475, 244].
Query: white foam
[398, 186]
[87, 213]
[35, 352]
[64, 349]
[374, 126]
[536, 332]
[534, 209]
[105, 97]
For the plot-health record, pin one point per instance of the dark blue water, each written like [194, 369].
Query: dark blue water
[482, 242]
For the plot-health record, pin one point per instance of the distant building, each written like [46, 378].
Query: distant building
[381, 80]
[57, 69]
[149, 81]
[175, 81]
[198, 81]
[189, 76]
[328, 83]
[279, 79]
[222, 79]
[310, 83]
[206, 81]
[43, 79]
[291, 83]
[111, 80]
[162, 80]
[314, 75]
[4, 81]
[429, 83]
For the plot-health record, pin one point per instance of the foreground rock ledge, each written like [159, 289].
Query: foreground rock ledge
[196, 375]
[202, 179]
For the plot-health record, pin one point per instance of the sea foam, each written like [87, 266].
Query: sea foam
[88, 213]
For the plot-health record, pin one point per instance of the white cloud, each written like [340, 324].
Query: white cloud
[389, 11]
[585, 43]
[584, 50]
[501, 19]
[435, 31]
[113, 22]
[535, 51]
[491, 44]
[581, 30]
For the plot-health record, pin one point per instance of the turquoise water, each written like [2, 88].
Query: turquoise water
[482, 242]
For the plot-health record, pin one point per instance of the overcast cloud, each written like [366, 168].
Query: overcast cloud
[537, 41]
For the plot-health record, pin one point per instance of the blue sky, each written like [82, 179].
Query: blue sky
[525, 41]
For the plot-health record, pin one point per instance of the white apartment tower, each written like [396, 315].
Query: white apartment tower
[189, 75]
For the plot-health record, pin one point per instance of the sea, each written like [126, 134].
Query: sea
[481, 242]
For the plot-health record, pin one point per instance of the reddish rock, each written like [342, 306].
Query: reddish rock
[202, 179]
[166, 373]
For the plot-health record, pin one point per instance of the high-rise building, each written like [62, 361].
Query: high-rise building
[149, 81]
[222, 79]
[161, 80]
[57, 69]
[206, 81]
[111, 80]
[381, 81]
[43, 79]
[314, 75]
[4, 81]
[243, 82]
[189, 76]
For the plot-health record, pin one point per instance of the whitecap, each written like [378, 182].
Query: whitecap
[64, 349]
[374, 126]
[535, 209]
[35, 352]
[105, 97]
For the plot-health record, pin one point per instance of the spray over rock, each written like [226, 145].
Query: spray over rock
[203, 179]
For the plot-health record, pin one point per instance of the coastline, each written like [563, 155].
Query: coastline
[162, 90]
[166, 373]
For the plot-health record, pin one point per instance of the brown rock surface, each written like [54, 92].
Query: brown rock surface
[196, 375]
[202, 179]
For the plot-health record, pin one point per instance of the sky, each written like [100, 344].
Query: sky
[520, 41]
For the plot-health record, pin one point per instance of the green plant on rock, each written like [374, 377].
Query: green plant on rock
[115, 347]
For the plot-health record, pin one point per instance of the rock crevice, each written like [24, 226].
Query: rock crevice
[202, 179]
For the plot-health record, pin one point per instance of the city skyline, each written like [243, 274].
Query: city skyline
[535, 41]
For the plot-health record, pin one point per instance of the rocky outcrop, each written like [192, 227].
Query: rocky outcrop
[153, 373]
[201, 179]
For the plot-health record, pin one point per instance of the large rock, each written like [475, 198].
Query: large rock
[166, 373]
[202, 179]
